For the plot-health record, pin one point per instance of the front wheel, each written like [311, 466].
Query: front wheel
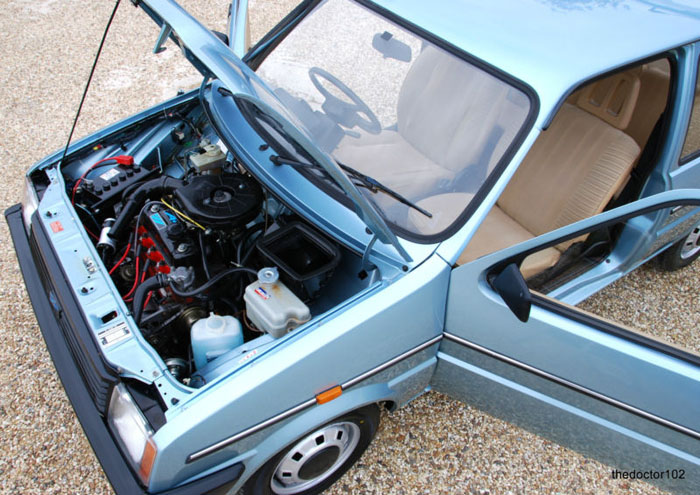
[319, 459]
[682, 253]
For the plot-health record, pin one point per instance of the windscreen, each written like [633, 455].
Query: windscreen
[425, 124]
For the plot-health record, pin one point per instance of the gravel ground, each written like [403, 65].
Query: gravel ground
[676, 315]
[434, 445]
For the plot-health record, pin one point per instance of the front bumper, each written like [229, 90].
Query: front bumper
[55, 309]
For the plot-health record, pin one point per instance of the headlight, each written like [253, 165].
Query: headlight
[127, 421]
[29, 203]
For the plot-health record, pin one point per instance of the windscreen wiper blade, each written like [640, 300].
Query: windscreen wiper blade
[374, 185]
[363, 180]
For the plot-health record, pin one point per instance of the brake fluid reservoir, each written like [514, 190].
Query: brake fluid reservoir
[272, 307]
[213, 336]
[210, 157]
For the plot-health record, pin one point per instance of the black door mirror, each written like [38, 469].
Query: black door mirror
[511, 286]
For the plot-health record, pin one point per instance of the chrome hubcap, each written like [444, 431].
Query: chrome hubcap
[315, 458]
[691, 245]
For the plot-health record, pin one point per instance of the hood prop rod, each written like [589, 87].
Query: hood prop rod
[87, 86]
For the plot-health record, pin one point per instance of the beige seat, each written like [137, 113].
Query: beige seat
[571, 173]
[437, 132]
[404, 168]
[654, 87]
[653, 97]
[497, 231]
[654, 79]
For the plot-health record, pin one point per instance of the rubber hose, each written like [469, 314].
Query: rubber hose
[153, 283]
[211, 282]
[154, 186]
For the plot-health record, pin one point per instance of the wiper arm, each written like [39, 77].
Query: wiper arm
[374, 185]
[364, 180]
[283, 160]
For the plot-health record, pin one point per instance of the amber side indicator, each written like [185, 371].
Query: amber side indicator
[149, 456]
[329, 395]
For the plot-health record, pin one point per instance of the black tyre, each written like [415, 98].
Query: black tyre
[682, 253]
[317, 459]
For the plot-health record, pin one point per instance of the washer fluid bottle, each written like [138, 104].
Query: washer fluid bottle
[213, 336]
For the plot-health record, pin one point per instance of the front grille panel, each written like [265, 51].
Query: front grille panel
[96, 373]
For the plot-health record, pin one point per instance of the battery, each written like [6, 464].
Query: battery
[108, 187]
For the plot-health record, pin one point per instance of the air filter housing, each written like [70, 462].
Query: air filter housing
[225, 201]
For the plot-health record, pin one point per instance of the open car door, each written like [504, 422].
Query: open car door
[613, 385]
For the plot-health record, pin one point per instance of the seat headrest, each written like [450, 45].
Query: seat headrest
[612, 99]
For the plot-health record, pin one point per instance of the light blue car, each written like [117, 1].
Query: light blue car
[377, 199]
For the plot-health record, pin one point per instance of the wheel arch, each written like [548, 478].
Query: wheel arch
[306, 422]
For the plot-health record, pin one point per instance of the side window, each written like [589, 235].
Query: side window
[691, 146]
[657, 300]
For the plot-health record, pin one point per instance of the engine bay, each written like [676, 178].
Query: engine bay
[211, 265]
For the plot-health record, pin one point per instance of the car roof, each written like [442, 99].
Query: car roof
[554, 45]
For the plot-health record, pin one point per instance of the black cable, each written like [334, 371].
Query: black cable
[211, 282]
[205, 264]
[136, 246]
[165, 324]
[250, 251]
[106, 253]
[189, 122]
[87, 86]
[239, 250]
[90, 216]
[202, 87]
[146, 266]
[247, 235]
[101, 165]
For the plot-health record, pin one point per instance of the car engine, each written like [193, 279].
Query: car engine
[205, 258]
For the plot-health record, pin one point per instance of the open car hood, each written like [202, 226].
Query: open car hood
[214, 59]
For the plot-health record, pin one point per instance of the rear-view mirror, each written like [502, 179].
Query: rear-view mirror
[390, 47]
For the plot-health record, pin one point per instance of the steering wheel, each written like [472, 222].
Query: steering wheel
[348, 114]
